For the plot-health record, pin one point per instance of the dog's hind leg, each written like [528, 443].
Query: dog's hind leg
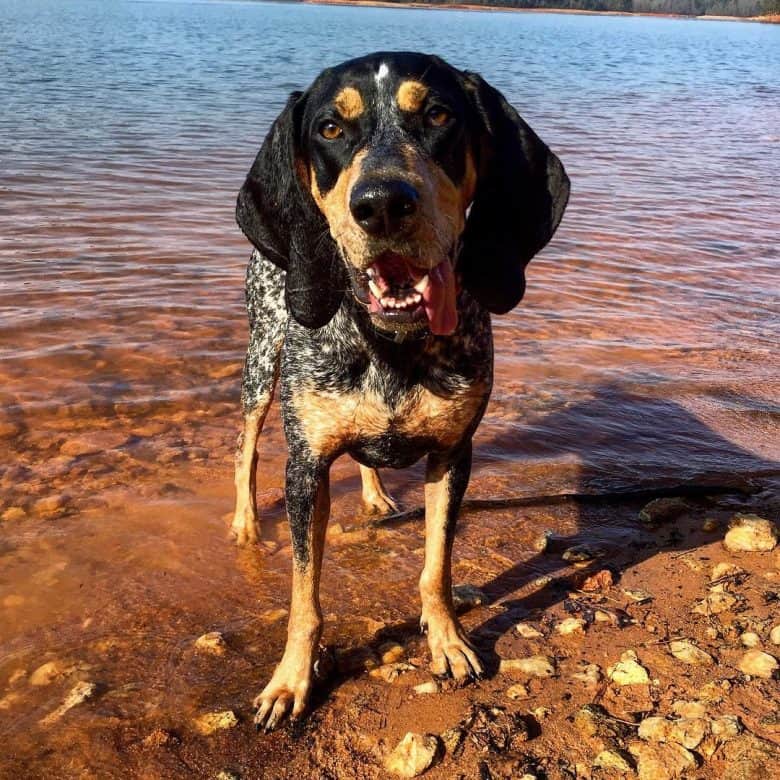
[445, 483]
[267, 325]
[376, 499]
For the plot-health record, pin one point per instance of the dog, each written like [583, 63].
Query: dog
[393, 207]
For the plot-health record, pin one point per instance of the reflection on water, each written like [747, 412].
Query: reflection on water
[645, 350]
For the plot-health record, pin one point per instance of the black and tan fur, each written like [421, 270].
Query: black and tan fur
[485, 196]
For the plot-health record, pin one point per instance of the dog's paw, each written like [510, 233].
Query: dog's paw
[286, 694]
[380, 504]
[245, 529]
[451, 652]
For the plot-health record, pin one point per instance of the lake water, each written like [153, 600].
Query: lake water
[644, 353]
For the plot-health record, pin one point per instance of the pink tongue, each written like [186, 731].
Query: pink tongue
[439, 300]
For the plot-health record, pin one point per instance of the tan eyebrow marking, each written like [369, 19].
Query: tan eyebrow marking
[410, 96]
[349, 103]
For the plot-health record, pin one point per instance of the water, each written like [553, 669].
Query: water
[645, 351]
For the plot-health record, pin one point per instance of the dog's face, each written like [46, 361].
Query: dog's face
[401, 178]
[388, 143]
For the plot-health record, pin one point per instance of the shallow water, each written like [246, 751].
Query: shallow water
[644, 353]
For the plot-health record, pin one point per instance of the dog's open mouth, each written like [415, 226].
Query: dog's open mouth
[396, 291]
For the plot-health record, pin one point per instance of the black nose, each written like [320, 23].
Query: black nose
[383, 208]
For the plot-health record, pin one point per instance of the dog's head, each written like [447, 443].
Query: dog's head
[401, 177]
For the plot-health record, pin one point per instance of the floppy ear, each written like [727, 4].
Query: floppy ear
[277, 213]
[522, 191]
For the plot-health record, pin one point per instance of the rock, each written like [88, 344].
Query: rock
[430, 686]
[590, 674]
[654, 729]
[750, 533]
[638, 595]
[50, 505]
[212, 643]
[758, 664]
[47, 673]
[226, 774]
[571, 626]
[689, 709]
[212, 722]
[627, 671]
[452, 739]
[517, 691]
[391, 672]
[413, 755]
[750, 639]
[533, 666]
[661, 761]
[13, 513]
[721, 570]
[726, 727]
[688, 653]
[468, 596]
[583, 552]
[594, 721]
[390, 652]
[662, 510]
[750, 757]
[80, 692]
[689, 732]
[527, 631]
[716, 601]
[774, 635]
[613, 760]
[594, 583]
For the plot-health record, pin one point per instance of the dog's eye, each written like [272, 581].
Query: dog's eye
[437, 116]
[330, 131]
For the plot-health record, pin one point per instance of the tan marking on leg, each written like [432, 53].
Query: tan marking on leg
[450, 648]
[245, 528]
[290, 685]
[375, 498]
[411, 95]
[349, 103]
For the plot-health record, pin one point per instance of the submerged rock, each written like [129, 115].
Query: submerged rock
[80, 692]
[627, 671]
[750, 533]
[413, 755]
[756, 663]
[212, 643]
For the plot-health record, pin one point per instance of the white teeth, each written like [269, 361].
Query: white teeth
[422, 284]
[374, 289]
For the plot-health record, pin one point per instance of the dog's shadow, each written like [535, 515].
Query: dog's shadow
[663, 449]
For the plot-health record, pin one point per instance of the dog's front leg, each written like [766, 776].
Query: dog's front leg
[446, 480]
[308, 507]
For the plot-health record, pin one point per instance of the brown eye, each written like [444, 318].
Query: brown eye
[330, 131]
[438, 116]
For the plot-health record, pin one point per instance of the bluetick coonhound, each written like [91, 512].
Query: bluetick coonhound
[393, 206]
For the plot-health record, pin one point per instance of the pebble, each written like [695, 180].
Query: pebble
[662, 510]
[413, 755]
[750, 639]
[468, 596]
[517, 691]
[590, 674]
[212, 722]
[213, 643]
[774, 635]
[226, 774]
[391, 672]
[688, 653]
[654, 729]
[527, 631]
[725, 570]
[593, 583]
[689, 709]
[689, 732]
[661, 761]
[758, 664]
[80, 692]
[430, 686]
[453, 739]
[750, 533]
[638, 595]
[628, 671]
[571, 626]
[716, 601]
[583, 552]
[47, 673]
[612, 759]
[390, 652]
[533, 666]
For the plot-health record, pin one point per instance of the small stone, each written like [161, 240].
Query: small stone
[717, 601]
[638, 595]
[654, 729]
[452, 739]
[212, 643]
[662, 510]
[413, 755]
[750, 533]
[50, 505]
[571, 626]
[661, 761]
[47, 673]
[390, 652]
[540, 713]
[774, 635]
[590, 674]
[689, 709]
[689, 732]
[627, 671]
[226, 774]
[468, 596]
[212, 722]
[13, 513]
[527, 631]
[688, 653]
[583, 552]
[594, 583]
[750, 639]
[726, 727]
[80, 692]
[430, 686]
[612, 759]
[758, 664]
[533, 666]
[721, 570]
[391, 672]
[517, 691]
[601, 616]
